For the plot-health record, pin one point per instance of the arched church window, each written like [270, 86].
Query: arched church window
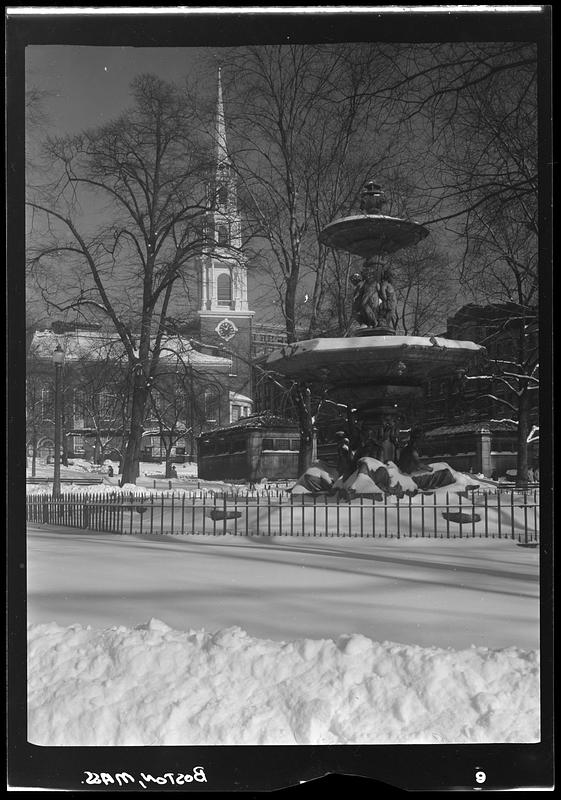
[222, 234]
[224, 289]
[222, 195]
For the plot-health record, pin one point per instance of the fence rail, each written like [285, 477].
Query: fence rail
[513, 514]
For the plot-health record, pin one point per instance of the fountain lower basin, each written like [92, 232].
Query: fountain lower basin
[379, 375]
[343, 360]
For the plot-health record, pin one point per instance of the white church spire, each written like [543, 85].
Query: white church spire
[222, 158]
[224, 269]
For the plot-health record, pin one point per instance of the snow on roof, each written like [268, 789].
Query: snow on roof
[104, 345]
[471, 427]
[241, 398]
[255, 421]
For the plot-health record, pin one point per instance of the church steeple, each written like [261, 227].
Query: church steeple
[223, 267]
[224, 314]
[222, 157]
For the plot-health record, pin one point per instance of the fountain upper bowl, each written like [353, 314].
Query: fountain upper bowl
[372, 234]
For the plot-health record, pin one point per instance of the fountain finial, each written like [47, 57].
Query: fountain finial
[372, 198]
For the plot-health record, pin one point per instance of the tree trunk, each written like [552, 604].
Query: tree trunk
[34, 455]
[97, 450]
[131, 458]
[522, 443]
[169, 465]
[64, 437]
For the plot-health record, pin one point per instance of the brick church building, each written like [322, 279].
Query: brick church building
[215, 350]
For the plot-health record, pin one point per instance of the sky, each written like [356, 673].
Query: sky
[90, 85]
[87, 86]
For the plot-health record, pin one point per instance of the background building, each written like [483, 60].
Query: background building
[464, 420]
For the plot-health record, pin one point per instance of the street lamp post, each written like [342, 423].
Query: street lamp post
[58, 361]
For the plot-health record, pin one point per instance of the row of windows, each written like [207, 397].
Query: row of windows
[215, 447]
[268, 337]
[103, 405]
[281, 444]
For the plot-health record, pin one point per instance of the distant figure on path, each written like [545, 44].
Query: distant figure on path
[344, 455]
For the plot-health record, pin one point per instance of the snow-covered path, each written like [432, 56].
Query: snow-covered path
[143, 640]
[441, 593]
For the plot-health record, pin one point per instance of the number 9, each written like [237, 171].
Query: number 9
[480, 777]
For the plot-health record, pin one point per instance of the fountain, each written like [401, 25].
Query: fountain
[374, 370]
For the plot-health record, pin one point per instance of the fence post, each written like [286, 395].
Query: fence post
[315, 512]
[512, 513]
[361, 516]
[268, 513]
[410, 518]
[526, 517]
[536, 533]
[385, 515]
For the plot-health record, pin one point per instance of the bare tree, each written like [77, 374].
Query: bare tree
[304, 150]
[115, 228]
[468, 118]
[495, 177]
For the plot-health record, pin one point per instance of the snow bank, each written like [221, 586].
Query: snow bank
[153, 685]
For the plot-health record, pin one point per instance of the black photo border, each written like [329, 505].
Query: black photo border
[268, 768]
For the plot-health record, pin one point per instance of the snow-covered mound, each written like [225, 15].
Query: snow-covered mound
[315, 480]
[152, 685]
[376, 479]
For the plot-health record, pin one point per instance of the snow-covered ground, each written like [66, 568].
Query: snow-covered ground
[146, 640]
[81, 467]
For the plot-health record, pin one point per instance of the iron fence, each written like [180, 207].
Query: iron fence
[513, 514]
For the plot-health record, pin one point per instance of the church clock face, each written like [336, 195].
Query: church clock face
[226, 329]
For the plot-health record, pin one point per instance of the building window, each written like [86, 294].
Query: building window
[79, 407]
[222, 234]
[47, 403]
[212, 405]
[224, 289]
[106, 406]
[78, 444]
[222, 195]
